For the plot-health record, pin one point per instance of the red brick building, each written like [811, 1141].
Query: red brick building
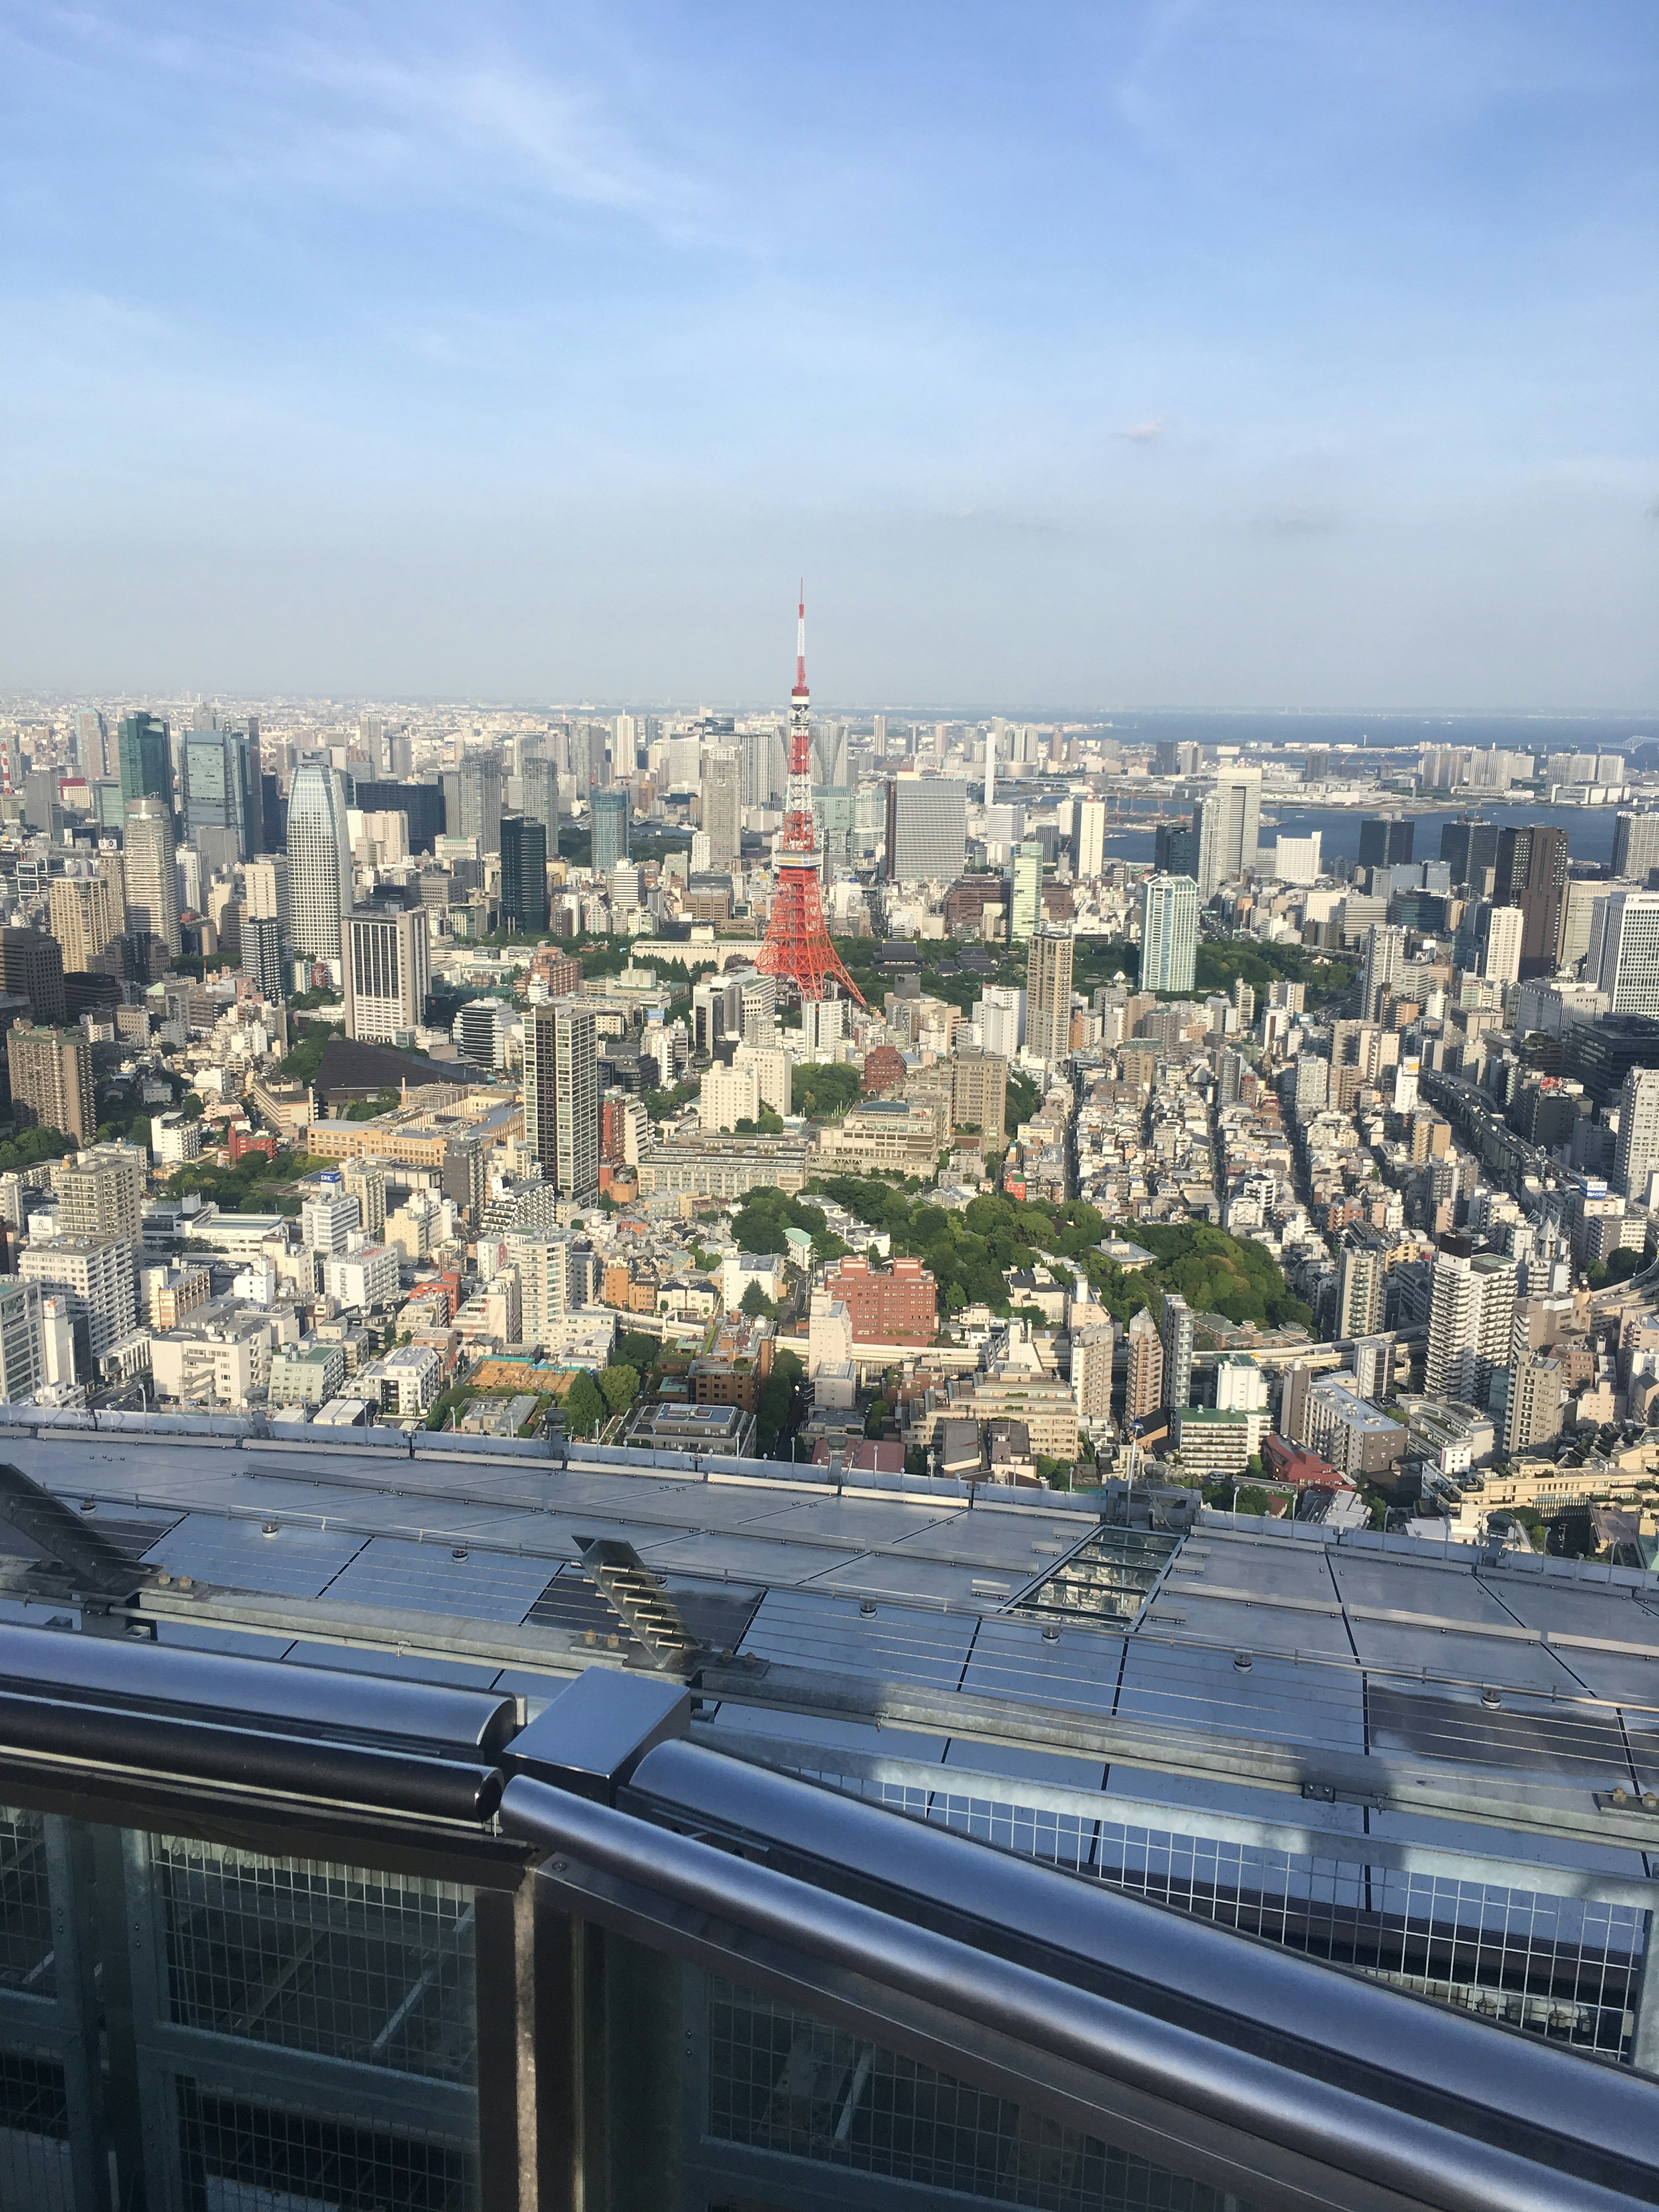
[883, 1066]
[886, 1305]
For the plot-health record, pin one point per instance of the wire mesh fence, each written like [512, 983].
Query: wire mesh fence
[781, 2081]
[373, 1968]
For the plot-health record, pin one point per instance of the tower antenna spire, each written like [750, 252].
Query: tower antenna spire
[800, 643]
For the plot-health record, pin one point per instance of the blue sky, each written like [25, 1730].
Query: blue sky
[1261, 355]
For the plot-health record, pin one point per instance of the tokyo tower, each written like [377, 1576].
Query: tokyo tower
[797, 950]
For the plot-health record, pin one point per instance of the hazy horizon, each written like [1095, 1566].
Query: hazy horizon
[1253, 358]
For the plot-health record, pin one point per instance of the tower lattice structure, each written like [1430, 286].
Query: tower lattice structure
[798, 950]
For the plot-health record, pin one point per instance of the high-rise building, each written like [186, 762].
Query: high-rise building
[541, 1258]
[1048, 994]
[1622, 959]
[152, 872]
[609, 817]
[1169, 933]
[479, 1033]
[1531, 872]
[1384, 957]
[1470, 1303]
[220, 795]
[52, 1080]
[89, 917]
[91, 746]
[22, 1338]
[388, 975]
[319, 861]
[1177, 1340]
[94, 1276]
[721, 804]
[1498, 931]
[265, 894]
[1363, 1285]
[145, 753]
[1470, 850]
[1536, 1394]
[1385, 840]
[264, 958]
[539, 780]
[1638, 1133]
[100, 1193]
[1143, 1387]
[562, 1095]
[1088, 856]
[926, 828]
[421, 804]
[524, 875]
[1635, 846]
[479, 792]
[1025, 909]
[1175, 849]
[1226, 825]
[32, 967]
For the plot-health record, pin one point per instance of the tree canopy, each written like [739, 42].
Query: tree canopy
[768, 1211]
[824, 1089]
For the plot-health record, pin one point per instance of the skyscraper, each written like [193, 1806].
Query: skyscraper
[264, 958]
[1471, 1304]
[1143, 1384]
[1175, 849]
[609, 817]
[1089, 840]
[1635, 846]
[1384, 957]
[89, 916]
[92, 747]
[524, 875]
[1470, 850]
[51, 1080]
[265, 894]
[152, 875]
[387, 972]
[220, 794]
[1622, 959]
[1385, 840]
[319, 861]
[540, 779]
[1531, 872]
[1177, 1337]
[562, 1095]
[479, 790]
[146, 758]
[1498, 934]
[1169, 933]
[1025, 909]
[1638, 1133]
[1225, 823]
[926, 828]
[1048, 994]
[32, 966]
[720, 801]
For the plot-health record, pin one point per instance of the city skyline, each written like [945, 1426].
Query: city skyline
[1145, 355]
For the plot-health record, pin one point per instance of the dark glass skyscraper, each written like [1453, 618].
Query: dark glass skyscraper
[222, 801]
[1470, 848]
[1175, 849]
[422, 805]
[610, 829]
[524, 875]
[1385, 840]
[146, 765]
[1532, 874]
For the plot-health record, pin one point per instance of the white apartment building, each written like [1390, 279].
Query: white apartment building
[728, 1096]
[328, 1217]
[388, 976]
[407, 1380]
[22, 1340]
[361, 1280]
[770, 1066]
[1471, 1305]
[94, 1276]
[542, 1259]
[1638, 1133]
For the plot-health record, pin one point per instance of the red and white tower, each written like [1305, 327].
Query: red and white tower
[798, 950]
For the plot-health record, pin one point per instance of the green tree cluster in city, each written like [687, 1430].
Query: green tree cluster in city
[767, 1213]
[777, 1400]
[822, 1090]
